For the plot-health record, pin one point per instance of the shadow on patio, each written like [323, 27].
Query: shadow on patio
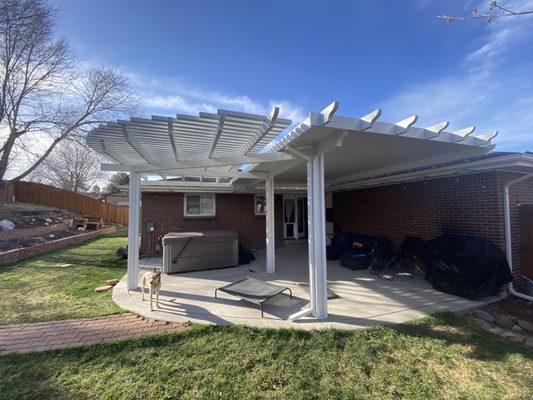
[363, 299]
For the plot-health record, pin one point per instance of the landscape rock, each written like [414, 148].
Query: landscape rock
[529, 342]
[103, 288]
[517, 328]
[49, 220]
[528, 326]
[504, 322]
[484, 315]
[7, 225]
[111, 282]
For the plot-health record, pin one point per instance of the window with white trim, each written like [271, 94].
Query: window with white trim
[199, 205]
[259, 204]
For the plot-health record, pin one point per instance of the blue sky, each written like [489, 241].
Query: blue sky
[190, 56]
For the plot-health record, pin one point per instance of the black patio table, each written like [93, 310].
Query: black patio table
[253, 290]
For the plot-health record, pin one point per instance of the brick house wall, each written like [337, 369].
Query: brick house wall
[467, 204]
[233, 211]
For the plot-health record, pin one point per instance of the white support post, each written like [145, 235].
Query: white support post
[316, 228]
[133, 230]
[270, 226]
[317, 236]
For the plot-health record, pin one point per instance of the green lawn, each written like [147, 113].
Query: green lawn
[437, 358]
[60, 284]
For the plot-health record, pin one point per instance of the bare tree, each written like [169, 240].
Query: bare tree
[45, 97]
[71, 166]
[495, 11]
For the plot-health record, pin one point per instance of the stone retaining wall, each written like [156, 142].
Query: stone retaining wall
[11, 256]
[32, 232]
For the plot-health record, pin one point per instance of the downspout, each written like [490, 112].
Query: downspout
[508, 243]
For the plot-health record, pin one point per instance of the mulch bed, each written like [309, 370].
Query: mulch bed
[6, 245]
[512, 306]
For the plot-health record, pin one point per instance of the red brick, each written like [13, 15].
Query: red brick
[233, 211]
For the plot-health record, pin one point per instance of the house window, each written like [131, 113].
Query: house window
[259, 204]
[199, 205]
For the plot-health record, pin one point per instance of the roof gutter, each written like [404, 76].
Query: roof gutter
[508, 237]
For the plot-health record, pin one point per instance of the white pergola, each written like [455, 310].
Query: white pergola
[232, 151]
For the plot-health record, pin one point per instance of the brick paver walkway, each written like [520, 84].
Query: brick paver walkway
[41, 336]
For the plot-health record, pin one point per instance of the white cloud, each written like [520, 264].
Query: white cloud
[168, 96]
[492, 89]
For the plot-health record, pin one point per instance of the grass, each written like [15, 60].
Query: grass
[442, 357]
[60, 284]
[437, 358]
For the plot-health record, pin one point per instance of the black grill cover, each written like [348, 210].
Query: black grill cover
[466, 266]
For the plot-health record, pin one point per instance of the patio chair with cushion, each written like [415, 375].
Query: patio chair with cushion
[355, 250]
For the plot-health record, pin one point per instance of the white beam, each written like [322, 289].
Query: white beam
[488, 136]
[324, 116]
[110, 152]
[464, 133]
[220, 128]
[263, 131]
[438, 128]
[334, 140]
[170, 130]
[270, 226]
[133, 230]
[137, 146]
[403, 126]
[214, 173]
[202, 162]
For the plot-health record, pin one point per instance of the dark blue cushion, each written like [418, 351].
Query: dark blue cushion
[354, 253]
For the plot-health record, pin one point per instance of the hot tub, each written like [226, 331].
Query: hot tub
[200, 249]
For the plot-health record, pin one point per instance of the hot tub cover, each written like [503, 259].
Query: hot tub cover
[466, 266]
[205, 234]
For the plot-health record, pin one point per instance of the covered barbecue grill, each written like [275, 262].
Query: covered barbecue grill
[200, 249]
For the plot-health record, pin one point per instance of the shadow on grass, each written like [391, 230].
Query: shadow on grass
[453, 329]
[208, 344]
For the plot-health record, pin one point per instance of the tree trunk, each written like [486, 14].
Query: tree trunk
[3, 185]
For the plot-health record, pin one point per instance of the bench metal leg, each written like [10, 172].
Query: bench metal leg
[216, 293]
[261, 305]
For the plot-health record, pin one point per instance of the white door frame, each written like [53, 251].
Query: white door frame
[295, 223]
[304, 222]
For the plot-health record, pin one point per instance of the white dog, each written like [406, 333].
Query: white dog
[154, 280]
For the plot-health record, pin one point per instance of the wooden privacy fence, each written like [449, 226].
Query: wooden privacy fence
[526, 239]
[37, 193]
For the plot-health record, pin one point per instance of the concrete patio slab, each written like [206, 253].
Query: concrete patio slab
[363, 299]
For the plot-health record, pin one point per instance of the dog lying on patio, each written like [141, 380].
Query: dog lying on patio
[154, 280]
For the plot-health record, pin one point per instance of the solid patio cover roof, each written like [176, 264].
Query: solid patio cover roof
[240, 149]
